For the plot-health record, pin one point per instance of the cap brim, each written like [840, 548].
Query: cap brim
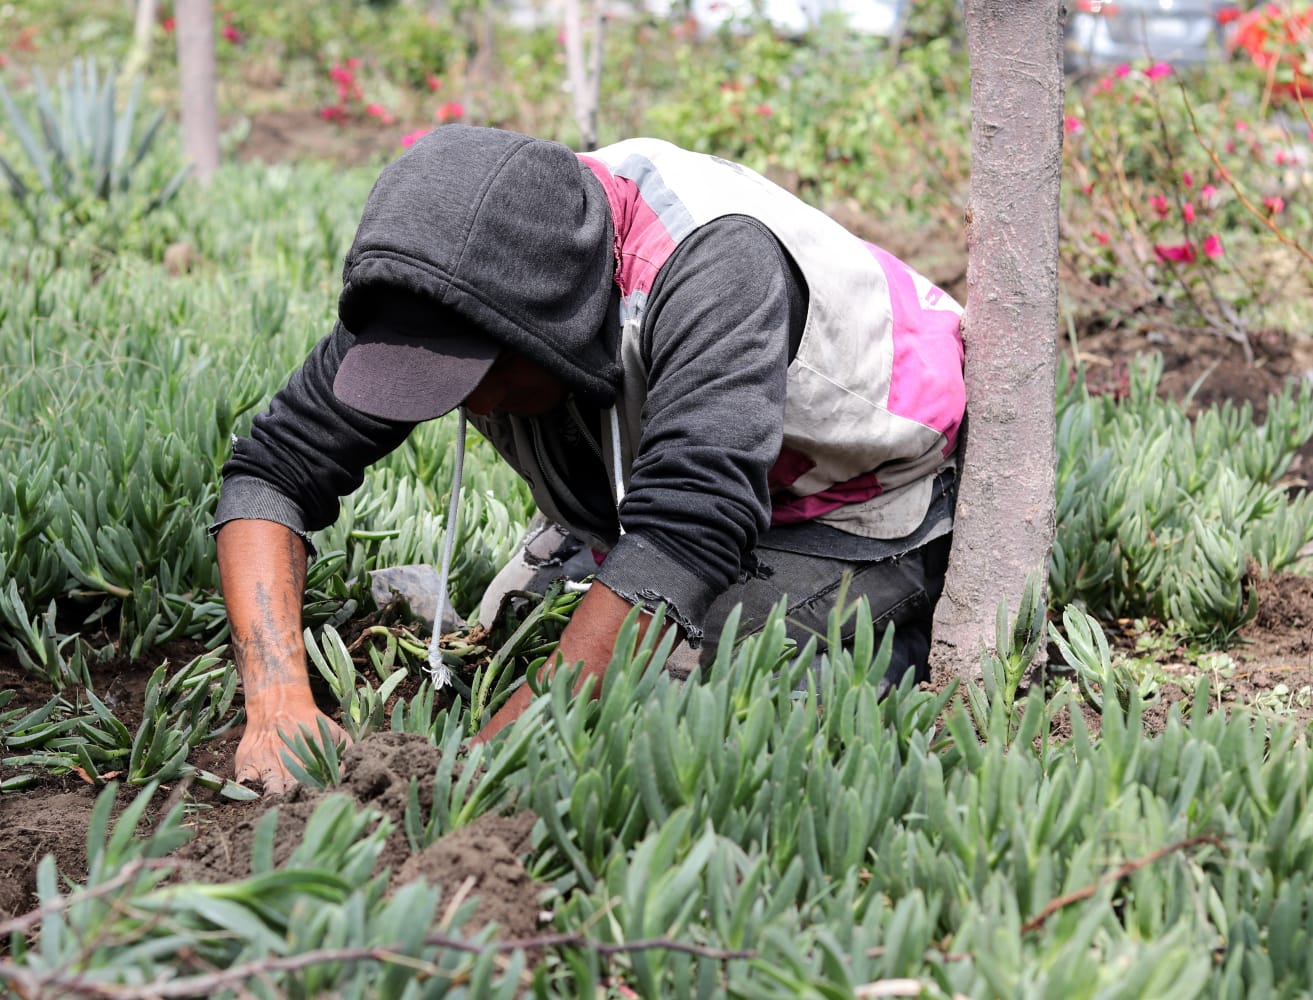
[399, 377]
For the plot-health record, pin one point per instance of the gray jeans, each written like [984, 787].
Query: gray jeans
[902, 591]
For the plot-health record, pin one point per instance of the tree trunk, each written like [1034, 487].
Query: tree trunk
[584, 71]
[143, 26]
[1005, 509]
[196, 69]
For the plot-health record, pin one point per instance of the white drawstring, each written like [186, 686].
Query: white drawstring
[617, 474]
[438, 670]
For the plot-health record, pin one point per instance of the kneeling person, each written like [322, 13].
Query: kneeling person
[715, 387]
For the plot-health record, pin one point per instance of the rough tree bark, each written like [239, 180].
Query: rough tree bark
[200, 103]
[1005, 508]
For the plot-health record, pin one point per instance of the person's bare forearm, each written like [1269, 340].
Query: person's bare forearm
[589, 637]
[262, 566]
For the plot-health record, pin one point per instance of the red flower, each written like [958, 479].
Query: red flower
[450, 111]
[1159, 205]
[764, 110]
[1213, 246]
[379, 112]
[1102, 238]
[410, 138]
[333, 113]
[1207, 193]
[1187, 212]
[433, 81]
[1181, 253]
[168, 24]
[1122, 71]
[1187, 179]
[1274, 204]
[232, 34]
[1158, 70]
[1072, 124]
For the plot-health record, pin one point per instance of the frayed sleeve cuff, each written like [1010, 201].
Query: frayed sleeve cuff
[247, 498]
[642, 574]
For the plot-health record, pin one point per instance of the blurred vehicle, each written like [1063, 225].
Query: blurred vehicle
[794, 18]
[1109, 32]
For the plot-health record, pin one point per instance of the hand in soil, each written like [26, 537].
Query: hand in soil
[258, 761]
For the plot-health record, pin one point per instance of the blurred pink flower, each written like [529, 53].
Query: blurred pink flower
[450, 111]
[1159, 205]
[1181, 253]
[1187, 178]
[1274, 204]
[333, 113]
[433, 81]
[1102, 238]
[1281, 158]
[410, 138]
[232, 35]
[1123, 71]
[1213, 246]
[1207, 193]
[1158, 70]
[1072, 124]
[1187, 212]
[379, 112]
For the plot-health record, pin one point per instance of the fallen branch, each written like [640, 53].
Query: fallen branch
[125, 875]
[1127, 869]
[32, 983]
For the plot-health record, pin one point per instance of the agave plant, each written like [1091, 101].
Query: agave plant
[82, 148]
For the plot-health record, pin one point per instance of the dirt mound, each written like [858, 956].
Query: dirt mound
[482, 860]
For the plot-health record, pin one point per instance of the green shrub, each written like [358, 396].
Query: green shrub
[91, 172]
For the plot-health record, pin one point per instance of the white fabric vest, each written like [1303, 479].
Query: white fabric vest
[875, 394]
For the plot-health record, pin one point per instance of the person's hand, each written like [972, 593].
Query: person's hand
[259, 761]
[590, 638]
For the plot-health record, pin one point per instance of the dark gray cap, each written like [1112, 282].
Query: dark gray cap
[412, 360]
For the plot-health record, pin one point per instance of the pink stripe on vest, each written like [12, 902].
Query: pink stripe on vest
[792, 510]
[642, 242]
[927, 383]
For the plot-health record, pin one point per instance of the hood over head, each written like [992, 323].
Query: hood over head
[507, 236]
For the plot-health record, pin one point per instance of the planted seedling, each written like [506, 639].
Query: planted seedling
[314, 759]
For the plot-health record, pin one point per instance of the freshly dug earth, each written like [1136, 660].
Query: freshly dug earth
[483, 861]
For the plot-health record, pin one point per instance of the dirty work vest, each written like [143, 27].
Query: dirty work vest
[875, 394]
